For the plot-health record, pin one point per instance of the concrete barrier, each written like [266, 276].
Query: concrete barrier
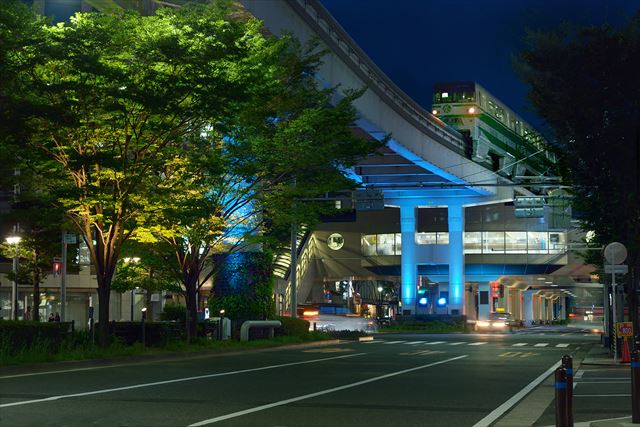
[271, 324]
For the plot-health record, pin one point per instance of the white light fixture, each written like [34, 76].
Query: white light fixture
[472, 110]
[13, 240]
[434, 112]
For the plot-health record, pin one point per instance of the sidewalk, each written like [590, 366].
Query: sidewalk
[600, 356]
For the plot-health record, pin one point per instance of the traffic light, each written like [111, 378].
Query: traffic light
[422, 297]
[444, 299]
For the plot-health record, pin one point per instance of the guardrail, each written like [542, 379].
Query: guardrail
[246, 326]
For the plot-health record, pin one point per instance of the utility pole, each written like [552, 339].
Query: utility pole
[294, 270]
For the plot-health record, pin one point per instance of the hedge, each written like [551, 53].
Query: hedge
[292, 327]
[17, 335]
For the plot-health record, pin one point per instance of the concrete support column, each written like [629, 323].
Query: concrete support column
[528, 307]
[562, 308]
[408, 259]
[456, 259]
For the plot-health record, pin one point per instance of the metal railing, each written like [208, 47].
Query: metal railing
[330, 32]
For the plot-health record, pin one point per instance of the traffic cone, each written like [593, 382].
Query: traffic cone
[626, 354]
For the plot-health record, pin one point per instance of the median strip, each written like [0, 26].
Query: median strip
[319, 393]
[177, 380]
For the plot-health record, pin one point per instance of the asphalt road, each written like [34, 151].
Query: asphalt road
[396, 380]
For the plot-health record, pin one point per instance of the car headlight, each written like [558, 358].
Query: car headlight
[482, 323]
[499, 324]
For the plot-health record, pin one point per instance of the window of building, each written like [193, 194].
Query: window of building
[515, 242]
[382, 244]
[537, 242]
[473, 242]
[493, 242]
[369, 245]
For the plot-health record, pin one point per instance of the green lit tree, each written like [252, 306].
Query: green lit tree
[583, 82]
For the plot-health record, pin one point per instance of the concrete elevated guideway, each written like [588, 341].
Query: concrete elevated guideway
[425, 163]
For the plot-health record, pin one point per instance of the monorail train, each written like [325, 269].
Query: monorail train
[495, 135]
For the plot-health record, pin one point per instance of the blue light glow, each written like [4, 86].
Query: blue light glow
[422, 301]
[442, 301]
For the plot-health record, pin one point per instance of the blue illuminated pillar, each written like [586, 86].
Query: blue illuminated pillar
[408, 260]
[456, 259]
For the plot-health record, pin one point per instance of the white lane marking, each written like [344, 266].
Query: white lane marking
[601, 395]
[578, 375]
[177, 380]
[478, 343]
[562, 345]
[502, 409]
[373, 342]
[520, 344]
[393, 342]
[541, 344]
[414, 342]
[457, 343]
[434, 342]
[603, 382]
[319, 393]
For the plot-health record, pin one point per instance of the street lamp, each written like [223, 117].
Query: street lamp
[380, 297]
[133, 260]
[220, 324]
[14, 240]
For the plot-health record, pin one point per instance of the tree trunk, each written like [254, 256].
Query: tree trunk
[35, 309]
[104, 294]
[192, 308]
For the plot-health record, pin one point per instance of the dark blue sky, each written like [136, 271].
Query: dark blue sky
[420, 42]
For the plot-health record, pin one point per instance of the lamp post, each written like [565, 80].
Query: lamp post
[14, 240]
[134, 260]
[380, 298]
[220, 324]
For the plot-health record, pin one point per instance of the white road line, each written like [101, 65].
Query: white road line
[541, 344]
[502, 409]
[319, 393]
[603, 382]
[414, 342]
[177, 380]
[520, 344]
[393, 342]
[578, 375]
[478, 343]
[434, 342]
[601, 395]
[373, 342]
[457, 343]
[562, 345]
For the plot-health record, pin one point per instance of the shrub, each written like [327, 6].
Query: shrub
[15, 335]
[174, 312]
[292, 327]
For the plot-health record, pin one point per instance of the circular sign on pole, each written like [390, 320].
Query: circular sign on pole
[615, 253]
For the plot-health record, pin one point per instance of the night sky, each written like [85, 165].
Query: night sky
[420, 42]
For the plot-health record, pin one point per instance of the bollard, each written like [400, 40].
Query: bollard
[567, 364]
[562, 415]
[635, 387]
[315, 327]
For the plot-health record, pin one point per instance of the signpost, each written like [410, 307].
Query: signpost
[529, 207]
[615, 253]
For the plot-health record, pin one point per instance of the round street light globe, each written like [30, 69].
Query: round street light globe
[12, 240]
[379, 288]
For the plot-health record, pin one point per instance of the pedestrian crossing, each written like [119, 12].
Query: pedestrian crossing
[469, 343]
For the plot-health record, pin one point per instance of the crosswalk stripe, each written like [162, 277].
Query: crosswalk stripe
[478, 343]
[394, 342]
[520, 344]
[434, 342]
[541, 344]
[456, 343]
[414, 342]
[562, 345]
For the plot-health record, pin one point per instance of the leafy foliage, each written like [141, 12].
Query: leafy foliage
[583, 82]
[292, 327]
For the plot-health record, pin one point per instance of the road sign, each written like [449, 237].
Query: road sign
[615, 253]
[616, 269]
[624, 329]
[369, 200]
[57, 259]
[70, 239]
